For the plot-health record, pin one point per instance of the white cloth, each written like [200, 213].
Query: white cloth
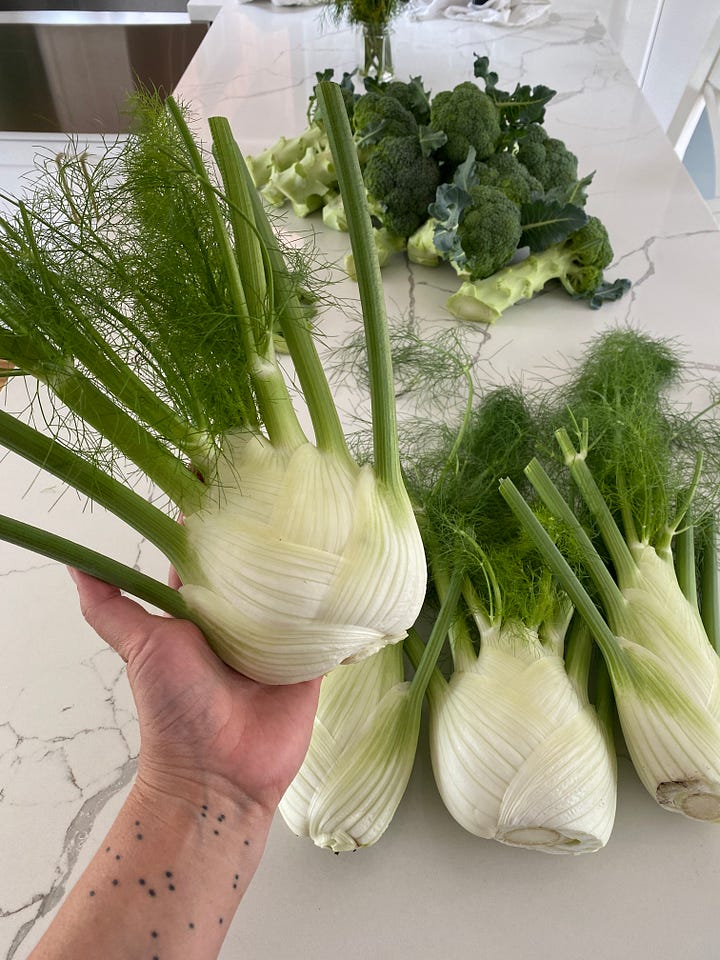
[291, 3]
[508, 13]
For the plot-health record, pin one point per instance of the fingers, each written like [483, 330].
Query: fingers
[119, 621]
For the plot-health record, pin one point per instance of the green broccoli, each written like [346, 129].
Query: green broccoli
[401, 183]
[549, 160]
[505, 172]
[578, 264]
[411, 95]
[378, 116]
[469, 118]
[488, 232]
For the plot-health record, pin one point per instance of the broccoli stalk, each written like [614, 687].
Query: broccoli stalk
[305, 183]
[421, 247]
[387, 243]
[333, 212]
[285, 152]
[578, 263]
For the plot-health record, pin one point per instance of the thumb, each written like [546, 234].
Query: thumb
[118, 620]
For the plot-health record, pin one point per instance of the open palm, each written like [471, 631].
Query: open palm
[201, 723]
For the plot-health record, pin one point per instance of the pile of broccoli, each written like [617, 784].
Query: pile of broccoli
[468, 176]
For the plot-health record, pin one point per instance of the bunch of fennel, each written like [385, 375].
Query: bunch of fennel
[519, 753]
[144, 292]
[638, 463]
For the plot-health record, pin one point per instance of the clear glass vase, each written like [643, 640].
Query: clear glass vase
[375, 53]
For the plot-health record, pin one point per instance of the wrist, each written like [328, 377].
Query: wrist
[207, 801]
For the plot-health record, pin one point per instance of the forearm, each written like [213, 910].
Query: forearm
[165, 882]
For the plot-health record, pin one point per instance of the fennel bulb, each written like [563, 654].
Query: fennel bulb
[301, 561]
[363, 745]
[349, 695]
[668, 692]
[518, 753]
[638, 478]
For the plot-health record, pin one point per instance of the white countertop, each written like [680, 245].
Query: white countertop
[68, 736]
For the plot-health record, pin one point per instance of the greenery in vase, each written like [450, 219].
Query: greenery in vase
[375, 13]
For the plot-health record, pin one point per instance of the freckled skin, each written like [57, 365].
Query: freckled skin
[207, 734]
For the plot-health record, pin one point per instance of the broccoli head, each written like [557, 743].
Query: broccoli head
[561, 167]
[469, 118]
[401, 183]
[378, 116]
[531, 150]
[588, 251]
[549, 160]
[412, 95]
[489, 231]
[505, 172]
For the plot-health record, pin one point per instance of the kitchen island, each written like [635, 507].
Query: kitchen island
[68, 736]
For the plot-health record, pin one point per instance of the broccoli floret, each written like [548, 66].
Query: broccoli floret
[401, 183]
[549, 160]
[469, 118]
[561, 167]
[531, 150]
[578, 264]
[505, 172]
[377, 116]
[488, 232]
[412, 96]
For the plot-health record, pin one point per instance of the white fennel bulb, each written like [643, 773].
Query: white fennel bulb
[348, 696]
[659, 618]
[518, 754]
[300, 561]
[363, 746]
[358, 800]
[667, 690]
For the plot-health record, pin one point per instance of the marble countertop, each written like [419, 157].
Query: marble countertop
[68, 733]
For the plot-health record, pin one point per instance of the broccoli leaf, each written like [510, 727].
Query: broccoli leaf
[483, 71]
[575, 194]
[465, 175]
[430, 140]
[372, 133]
[546, 222]
[450, 201]
[606, 292]
[516, 110]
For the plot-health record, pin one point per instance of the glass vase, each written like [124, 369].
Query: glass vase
[375, 53]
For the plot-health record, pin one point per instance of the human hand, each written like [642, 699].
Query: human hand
[202, 725]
